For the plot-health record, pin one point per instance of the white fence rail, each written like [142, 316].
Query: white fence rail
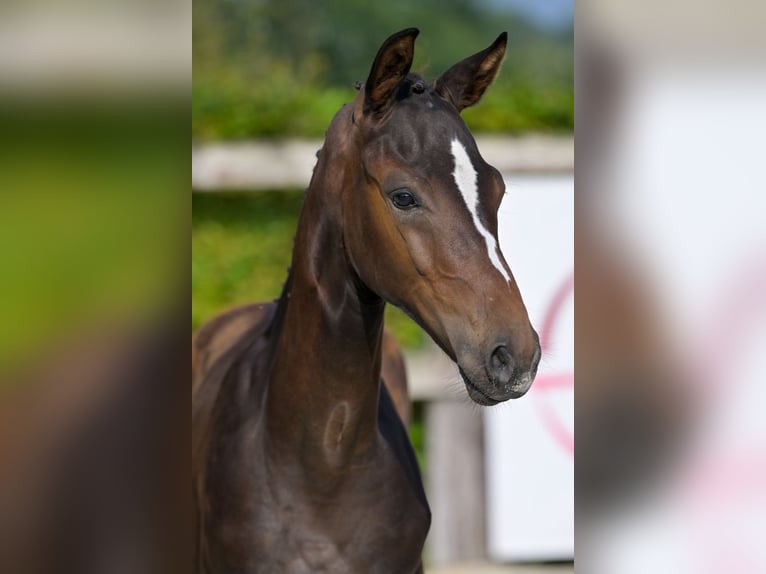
[279, 164]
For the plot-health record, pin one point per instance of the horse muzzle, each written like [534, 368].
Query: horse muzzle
[501, 377]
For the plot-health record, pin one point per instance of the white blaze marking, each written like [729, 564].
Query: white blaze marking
[466, 180]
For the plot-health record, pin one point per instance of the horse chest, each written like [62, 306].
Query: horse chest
[370, 521]
[380, 530]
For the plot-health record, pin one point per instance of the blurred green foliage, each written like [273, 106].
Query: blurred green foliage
[283, 67]
[241, 249]
[89, 219]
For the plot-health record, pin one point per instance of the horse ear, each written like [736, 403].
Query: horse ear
[465, 82]
[391, 66]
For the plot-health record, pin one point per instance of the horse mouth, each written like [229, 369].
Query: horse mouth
[482, 397]
[475, 393]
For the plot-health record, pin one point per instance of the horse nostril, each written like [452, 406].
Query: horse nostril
[501, 365]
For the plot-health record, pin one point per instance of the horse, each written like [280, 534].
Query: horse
[300, 462]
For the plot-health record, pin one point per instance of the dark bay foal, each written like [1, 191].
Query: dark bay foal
[300, 461]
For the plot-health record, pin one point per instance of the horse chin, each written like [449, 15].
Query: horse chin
[487, 398]
[475, 392]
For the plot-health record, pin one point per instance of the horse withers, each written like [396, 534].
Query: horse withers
[300, 461]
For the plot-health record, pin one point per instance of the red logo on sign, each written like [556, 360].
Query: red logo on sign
[546, 383]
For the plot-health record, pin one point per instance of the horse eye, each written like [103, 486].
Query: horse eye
[403, 200]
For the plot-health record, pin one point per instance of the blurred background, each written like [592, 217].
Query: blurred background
[267, 78]
[671, 314]
[94, 259]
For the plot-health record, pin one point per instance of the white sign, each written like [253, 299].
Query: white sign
[530, 441]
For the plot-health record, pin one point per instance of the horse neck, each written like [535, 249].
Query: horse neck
[325, 377]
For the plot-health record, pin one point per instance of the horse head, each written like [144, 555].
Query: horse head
[419, 216]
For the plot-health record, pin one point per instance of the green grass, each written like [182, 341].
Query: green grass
[241, 248]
